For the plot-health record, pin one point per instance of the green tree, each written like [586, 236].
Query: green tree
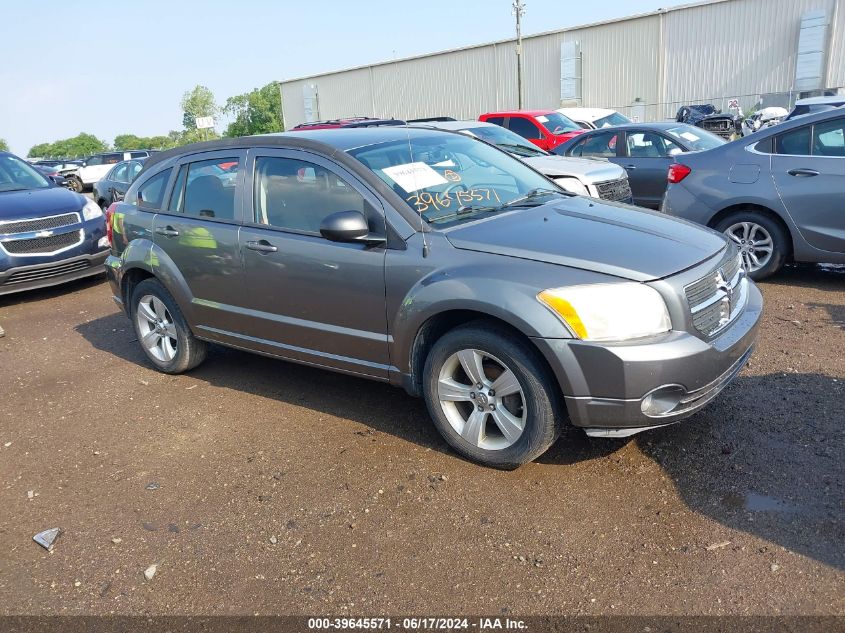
[4, 146]
[197, 103]
[82, 144]
[255, 112]
[124, 142]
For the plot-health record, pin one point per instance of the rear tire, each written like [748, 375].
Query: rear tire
[162, 331]
[75, 184]
[763, 243]
[504, 429]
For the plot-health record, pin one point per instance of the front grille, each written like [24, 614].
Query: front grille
[614, 189]
[42, 245]
[46, 272]
[38, 224]
[718, 297]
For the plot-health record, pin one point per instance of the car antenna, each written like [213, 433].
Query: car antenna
[422, 226]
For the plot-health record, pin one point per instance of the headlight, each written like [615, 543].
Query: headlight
[609, 312]
[573, 185]
[91, 210]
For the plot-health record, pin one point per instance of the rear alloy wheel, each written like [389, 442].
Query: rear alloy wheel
[761, 242]
[489, 396]
[162, 331]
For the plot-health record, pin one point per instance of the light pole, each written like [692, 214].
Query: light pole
[519, 11]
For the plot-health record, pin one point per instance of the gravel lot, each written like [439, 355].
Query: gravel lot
[259, 486]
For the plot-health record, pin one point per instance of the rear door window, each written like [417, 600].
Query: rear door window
[649, 145]
[829, 138]
[795, 143]
[525, 128]
[210, 188]
[496, 120]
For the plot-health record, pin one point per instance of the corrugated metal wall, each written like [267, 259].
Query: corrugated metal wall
[709, 52]
[741, 49]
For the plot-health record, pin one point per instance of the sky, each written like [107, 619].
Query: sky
[112, 67]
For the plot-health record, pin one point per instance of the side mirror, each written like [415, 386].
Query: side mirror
[348, 226]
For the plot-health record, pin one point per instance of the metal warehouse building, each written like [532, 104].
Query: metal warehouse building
[645, 66]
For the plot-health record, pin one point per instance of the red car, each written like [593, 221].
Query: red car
[545, 128]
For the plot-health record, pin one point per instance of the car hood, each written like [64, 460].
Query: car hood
[585, 169]
[578, 232]
[34, 203]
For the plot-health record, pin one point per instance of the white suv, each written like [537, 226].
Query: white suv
[97, 166]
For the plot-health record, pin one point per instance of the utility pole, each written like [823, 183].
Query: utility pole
[519, 11]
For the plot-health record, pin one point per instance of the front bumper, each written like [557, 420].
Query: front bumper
[606, 386]
[35, 276]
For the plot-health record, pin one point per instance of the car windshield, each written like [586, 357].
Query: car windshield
[695, 138]
[451, 178]
[505, 139]
[556, 123]
[612, 119]
[16, 175]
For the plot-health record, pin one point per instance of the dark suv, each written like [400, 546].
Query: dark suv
[437, 262]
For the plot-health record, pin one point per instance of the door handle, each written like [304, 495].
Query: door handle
[168, 231]
[262, 246]
[630, 167]
[803, 173]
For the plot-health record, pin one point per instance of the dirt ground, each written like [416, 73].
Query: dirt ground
[259, 486]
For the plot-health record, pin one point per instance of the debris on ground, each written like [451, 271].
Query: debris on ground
[716, 546]
[150, 571]
[273, 540]
[153, 485]
[116, 540]
[47, 538]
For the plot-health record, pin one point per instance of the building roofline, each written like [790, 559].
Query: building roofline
[512, 40]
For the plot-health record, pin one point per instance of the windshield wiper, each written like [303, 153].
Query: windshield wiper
[526, 151]
[531, 195]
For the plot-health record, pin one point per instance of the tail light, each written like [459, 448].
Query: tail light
[677, 172]
[109, 214]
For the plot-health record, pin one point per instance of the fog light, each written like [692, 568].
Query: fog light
[661, 401]
[103, 242]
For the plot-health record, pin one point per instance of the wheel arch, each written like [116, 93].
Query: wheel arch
[437, 325]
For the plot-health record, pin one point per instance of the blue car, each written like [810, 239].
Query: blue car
[48, 234]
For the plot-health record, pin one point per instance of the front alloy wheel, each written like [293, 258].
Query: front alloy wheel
[490, 394]
[156, 329]
[482, 399]
[754, 242]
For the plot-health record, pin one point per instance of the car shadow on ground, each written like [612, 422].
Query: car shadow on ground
[765, 458]
[51, 292]
[826, 277]
[381, 407]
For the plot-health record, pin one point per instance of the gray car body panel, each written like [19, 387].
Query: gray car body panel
[492, 267]
[737, 174]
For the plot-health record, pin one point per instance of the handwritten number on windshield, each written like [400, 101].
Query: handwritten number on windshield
[423, 201]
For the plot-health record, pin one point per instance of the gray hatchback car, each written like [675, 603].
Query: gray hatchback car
[432, 261]
[778, 193]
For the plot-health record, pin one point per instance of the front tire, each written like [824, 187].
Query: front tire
[490, 396]
[762, 242]
[162, 331]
